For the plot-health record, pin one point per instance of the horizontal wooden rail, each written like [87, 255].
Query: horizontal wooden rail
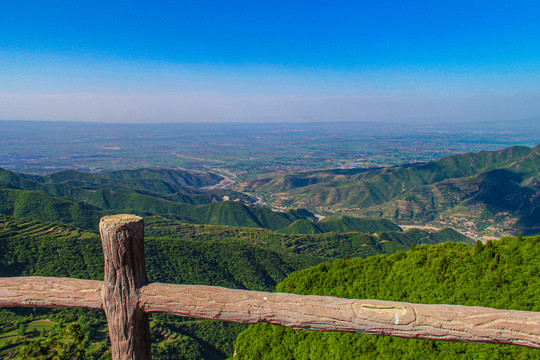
[407, 320]
[50, 292]
[126, 297]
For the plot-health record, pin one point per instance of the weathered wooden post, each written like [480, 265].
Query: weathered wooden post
[127, 298]
[122, 237]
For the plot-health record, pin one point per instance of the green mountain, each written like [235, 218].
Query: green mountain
[191, 238]
[80, 199]
[340, 224]
[32, 248]
[501, 274]
[176, 252]
[176, 177]
[324, 245]
[81, 186]
[497, 189]
[43, 207]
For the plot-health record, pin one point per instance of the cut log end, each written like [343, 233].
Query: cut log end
[121, 219]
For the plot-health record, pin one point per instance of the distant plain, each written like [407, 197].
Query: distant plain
[246, 150]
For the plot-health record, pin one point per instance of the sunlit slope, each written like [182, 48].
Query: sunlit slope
[503, 274]
[491, 185]
[324, 245]
[80, 198]
[340, 224]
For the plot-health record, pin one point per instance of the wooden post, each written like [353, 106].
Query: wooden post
[127, 297]
[125, 273]
[407, 320]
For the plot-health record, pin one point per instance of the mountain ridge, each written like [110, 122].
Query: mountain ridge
[434, 191]
[81, 199]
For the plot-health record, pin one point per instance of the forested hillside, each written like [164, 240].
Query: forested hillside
[504, 274]
[340, 224]
[31, 248]
[500, 189]
[81, 199]
[326, 245]
[176, 252]
[48, 223]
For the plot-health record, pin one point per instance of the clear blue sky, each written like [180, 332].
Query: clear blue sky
[160, 61]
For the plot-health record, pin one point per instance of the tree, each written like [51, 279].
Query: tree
[68, 345]
[477, 247]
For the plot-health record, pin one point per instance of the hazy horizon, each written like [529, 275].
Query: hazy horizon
[257, 62]
[495, 125]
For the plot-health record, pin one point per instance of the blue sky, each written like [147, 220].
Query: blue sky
[161, 61]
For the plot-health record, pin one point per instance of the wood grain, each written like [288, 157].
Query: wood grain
[122, 237]
[37, 291]
[406, 320]
[127, 298]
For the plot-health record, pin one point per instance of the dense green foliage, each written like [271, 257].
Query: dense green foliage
[423, 237]
[340, 224]
[503, 274]
[328, 245]
[68, 345]
[29, 248]
[245, 258]
[45, 249]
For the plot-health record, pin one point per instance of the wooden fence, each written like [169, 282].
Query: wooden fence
[127, 298]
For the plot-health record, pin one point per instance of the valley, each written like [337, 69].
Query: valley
[48, 227]
[222, 223]
[366, 175]
[488, 194]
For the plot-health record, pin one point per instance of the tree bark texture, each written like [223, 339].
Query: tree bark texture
[49, 292]
[406, 320]
[435, 322]
[122, 237]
